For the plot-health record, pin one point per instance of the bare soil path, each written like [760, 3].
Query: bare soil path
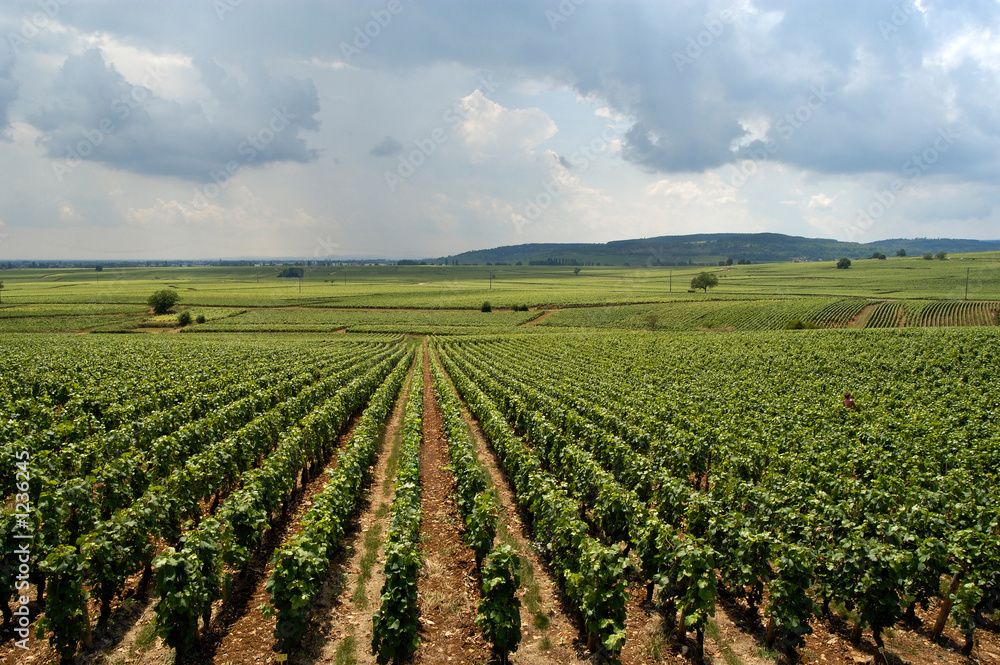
[449, 585]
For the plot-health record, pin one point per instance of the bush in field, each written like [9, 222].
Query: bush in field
[200, 318]
[162, 300]
[844, 263]
[487, 307]
[184, 319]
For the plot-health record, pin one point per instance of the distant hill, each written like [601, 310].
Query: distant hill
[709, 249]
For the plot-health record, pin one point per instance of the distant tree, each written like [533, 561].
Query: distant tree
[487, 307]
[729, 261]
[844, 263]
[184, 318]
[576, 271]
[200, 318]
[879, 255]
[928, 256]
[292, 272]
[941, 256]
[704, 280]
[98, 268]
[161, 301]
[900, 252]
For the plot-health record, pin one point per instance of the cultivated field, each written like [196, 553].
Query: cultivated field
[622, 471]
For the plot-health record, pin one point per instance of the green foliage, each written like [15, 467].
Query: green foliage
[184, 319]
[941, 256]
[789, 605]
[200, 318]
[395, 624]
[486, 307]
[928, 256]
[704, 280]
[498, 613]
[187, 582]
[900, 252]
[65, 601]
[843, 263]
[161, 301]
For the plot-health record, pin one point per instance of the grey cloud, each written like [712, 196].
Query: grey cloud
[386, 147]
[885, 99]
[94, 113]
[8, 85]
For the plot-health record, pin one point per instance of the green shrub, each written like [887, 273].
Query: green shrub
[200, 318]
[184, 319]
[487, 307]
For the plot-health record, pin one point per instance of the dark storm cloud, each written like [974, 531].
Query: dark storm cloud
[691, 75]
[94, 113]
[386, 147]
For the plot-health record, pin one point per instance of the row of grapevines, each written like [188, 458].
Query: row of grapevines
[782, 511]
[498, 613]
[589, 572]
[619, 513]
[66, 512]
[394, 626]
[189, 580]
[123, 545]
[301, 564]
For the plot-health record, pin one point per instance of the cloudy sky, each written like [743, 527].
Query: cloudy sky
[406, 128]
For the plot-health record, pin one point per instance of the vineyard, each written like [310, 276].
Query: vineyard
[659, 479]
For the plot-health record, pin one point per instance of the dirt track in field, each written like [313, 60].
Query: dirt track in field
[449, 585]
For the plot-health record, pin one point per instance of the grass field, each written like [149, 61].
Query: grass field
[421, 299]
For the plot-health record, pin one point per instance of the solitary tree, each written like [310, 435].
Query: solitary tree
[704, 280]
[844, 263]
[941, 256]
[162, 300]
[928, 256]
[900, 252]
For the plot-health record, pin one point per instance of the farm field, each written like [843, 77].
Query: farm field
[641, 481]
